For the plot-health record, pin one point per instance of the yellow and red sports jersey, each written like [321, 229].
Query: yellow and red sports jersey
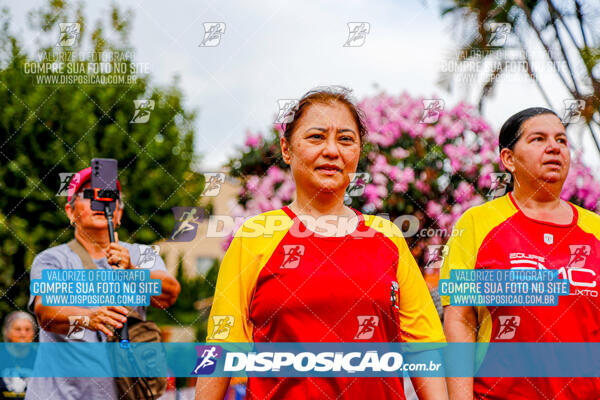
[498, 235]
[280, 282]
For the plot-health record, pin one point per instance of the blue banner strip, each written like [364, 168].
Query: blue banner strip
[300, 359]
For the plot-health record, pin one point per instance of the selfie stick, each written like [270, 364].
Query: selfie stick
[122, 332]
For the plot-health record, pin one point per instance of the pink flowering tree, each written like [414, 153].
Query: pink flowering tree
[428, 165]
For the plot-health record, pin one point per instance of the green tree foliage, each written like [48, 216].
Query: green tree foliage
[49, 129]
[566, 31]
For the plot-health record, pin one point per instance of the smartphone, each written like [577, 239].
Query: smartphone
[104, 177]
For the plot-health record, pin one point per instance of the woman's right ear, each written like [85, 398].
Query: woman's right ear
[506, 157]
[285, 150]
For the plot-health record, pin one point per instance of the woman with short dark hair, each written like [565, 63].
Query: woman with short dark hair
[528, 228]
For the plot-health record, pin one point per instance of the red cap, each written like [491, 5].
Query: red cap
[79, 179]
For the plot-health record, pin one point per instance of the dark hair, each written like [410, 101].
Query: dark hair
[326, 95]
[511, 130]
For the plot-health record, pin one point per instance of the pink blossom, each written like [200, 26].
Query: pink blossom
[422, 186]
[400, 153]
[275, 173]
[399, 187]
[379, 179]
[279, 128]
[287, 189]
[394, 173]
[380, 165]
[252, 184]
[485, 179]
[463, 192]
[370, 192]
[408, 175]
[253, 141]
[434, 209]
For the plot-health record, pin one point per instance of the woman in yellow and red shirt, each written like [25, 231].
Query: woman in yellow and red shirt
[285, 279]
[529, 228]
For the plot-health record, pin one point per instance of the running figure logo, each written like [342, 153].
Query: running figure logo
[207, 359]
[65, 182]
[286, 110]
[499, 184]
[222, 326]
[358, 183]
[212, 34]
[579, 253]
[77, 325]
[499, 32]
[436, 253]
[69, 34]
[432, 109]
[508, 326]
[143, 109]
[366, 326]
[148, 255]
[213, 182]
[292, 254]
[357, 33]
[573, 110]
[187, 223]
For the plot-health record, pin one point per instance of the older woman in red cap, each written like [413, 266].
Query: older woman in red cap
[94, 324]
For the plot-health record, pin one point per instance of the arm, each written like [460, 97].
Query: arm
[119, 255]
[432, 388]
[460, 322]
[237, 276]
[170, 289]
[428, 387]
[56, 318]
[419, 321]
[460, 325]
[211, 388]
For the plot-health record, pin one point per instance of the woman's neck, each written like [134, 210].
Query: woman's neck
[319, 205]
[320, 209]
[538, 199]
[543, 205]
[94, 241]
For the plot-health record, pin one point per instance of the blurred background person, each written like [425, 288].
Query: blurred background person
[18, 327]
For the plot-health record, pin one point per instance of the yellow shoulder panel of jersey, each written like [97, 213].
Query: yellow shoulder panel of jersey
[383, 225]
[588, 221]
[470, 231]
[251, 247]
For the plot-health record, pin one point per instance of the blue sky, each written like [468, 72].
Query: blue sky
[278, 49]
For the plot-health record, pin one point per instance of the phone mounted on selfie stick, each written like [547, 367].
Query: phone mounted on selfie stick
[104, 193]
